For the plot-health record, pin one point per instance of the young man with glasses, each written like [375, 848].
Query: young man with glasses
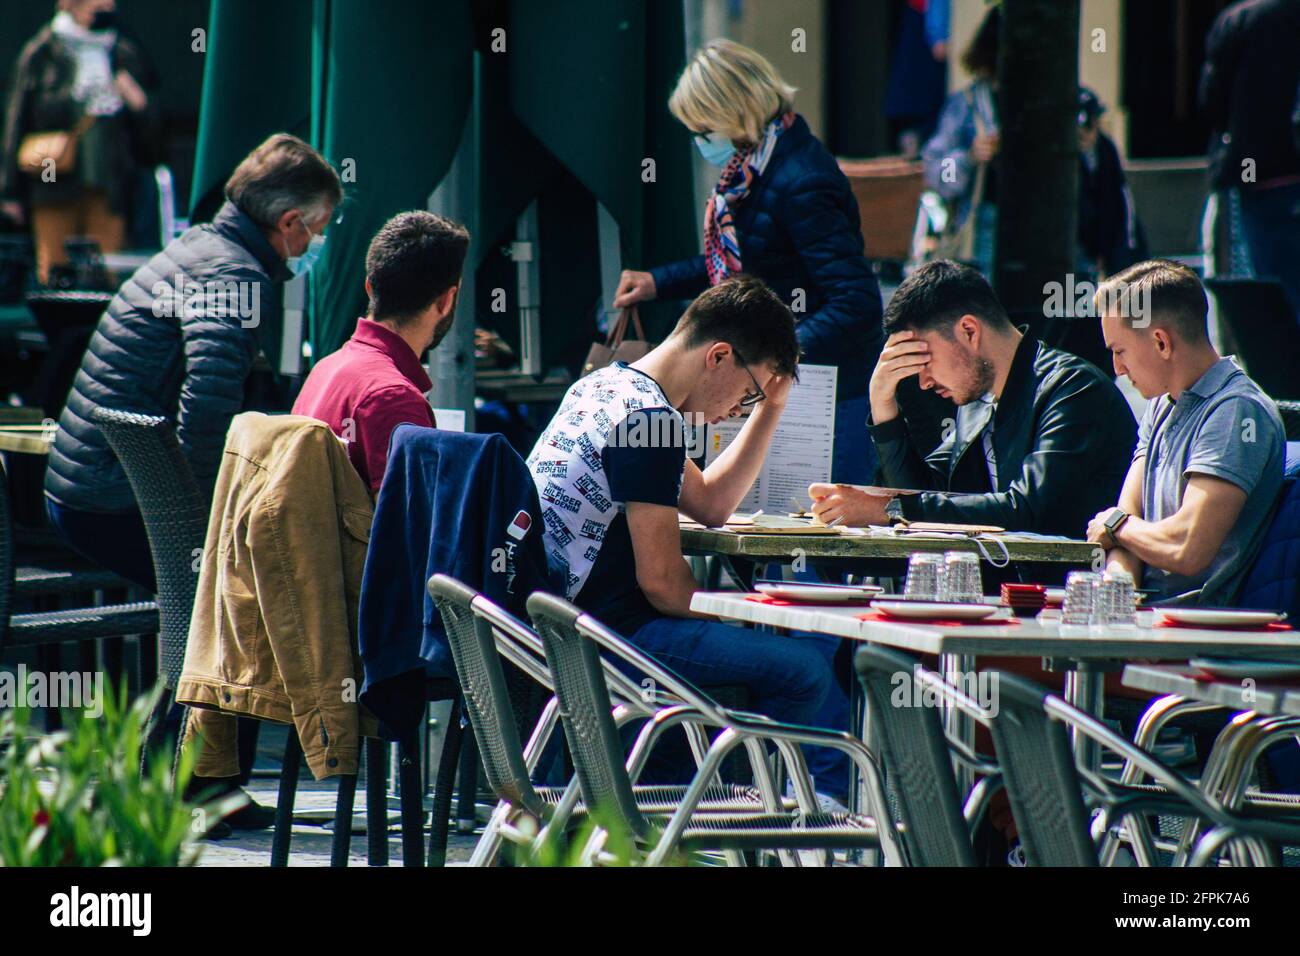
[612, 472]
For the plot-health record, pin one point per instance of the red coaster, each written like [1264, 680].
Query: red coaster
[1274, 626]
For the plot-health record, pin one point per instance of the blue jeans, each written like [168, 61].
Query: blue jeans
[854, 458]
[788, 679]
[1270, 218]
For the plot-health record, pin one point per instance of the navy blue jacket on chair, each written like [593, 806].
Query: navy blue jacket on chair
[799, 229]
[451, 503]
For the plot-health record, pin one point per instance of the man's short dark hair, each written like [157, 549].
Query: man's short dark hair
[414, 258]
[939, 293]
[283, 173]
[747, 315]
[1171, 292]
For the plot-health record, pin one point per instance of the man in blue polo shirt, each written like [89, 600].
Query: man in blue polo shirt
[1209, 460]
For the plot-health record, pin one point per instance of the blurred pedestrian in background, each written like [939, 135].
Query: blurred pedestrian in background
[959, 157]
[78, 76]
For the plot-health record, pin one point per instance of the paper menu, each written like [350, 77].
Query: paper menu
[802, 446]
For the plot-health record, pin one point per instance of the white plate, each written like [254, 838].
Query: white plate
[820, 593]
[1242, 668]
[935, 609]
[1218, 618]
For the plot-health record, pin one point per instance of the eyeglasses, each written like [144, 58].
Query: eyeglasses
[752, 398]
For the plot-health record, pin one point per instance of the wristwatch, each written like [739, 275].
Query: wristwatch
[894, 509]
[1113, 521]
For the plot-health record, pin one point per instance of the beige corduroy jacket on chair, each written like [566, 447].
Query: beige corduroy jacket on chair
[274, 629]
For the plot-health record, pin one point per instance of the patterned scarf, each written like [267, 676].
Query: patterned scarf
[721, 248]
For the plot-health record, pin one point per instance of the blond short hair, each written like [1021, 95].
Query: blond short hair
[730, 89]
[1170, 291]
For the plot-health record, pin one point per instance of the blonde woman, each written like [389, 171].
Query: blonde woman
[782, 211]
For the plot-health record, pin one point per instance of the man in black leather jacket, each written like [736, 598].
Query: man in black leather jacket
[1040, 435]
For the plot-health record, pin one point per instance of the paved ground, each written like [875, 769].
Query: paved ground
[313, 823]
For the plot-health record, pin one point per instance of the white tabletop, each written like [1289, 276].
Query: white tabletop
[1028, 638]
[1260, 696]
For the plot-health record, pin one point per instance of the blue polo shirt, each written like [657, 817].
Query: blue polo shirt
[1223, 426]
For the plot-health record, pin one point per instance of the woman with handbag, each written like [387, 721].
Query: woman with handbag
[77, 117]
[959, 157]
[782, 211]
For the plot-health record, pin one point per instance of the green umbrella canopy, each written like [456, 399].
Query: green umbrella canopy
[256, 81]
[577, 82]
[597, 99]
[393, 87]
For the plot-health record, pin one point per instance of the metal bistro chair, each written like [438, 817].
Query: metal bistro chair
[175, 520]
[480, 633]
[1047, 789]
[46, 628]
[936, 829]
[571, 639]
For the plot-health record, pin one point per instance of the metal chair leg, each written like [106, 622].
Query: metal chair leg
[412, 801]
[376, 802]
[284, 803]
[467, 777]
[341, 844]
[442, 787]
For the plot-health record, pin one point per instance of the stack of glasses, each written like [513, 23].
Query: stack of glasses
[1099, 599]
[951, 577]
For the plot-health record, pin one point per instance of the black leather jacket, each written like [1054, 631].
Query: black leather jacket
[1063, 437]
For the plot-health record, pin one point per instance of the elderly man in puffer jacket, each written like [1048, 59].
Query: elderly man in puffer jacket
[178, 340]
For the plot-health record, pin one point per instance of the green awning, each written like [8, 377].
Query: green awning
[256, 81]
[394, 84]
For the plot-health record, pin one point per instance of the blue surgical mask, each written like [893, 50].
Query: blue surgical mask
[715, 148]
[301, 265]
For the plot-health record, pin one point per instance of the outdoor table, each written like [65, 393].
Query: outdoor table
[1274, 697]
[1084, 653]
[896, 548]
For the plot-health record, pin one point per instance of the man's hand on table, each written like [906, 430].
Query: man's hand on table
[856, 507]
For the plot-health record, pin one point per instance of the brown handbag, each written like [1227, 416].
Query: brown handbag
[617, 347]
[59, 145]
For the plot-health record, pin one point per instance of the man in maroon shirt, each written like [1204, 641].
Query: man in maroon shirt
[375, 382]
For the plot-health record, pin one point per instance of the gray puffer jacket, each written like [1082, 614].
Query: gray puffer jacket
[178, 339]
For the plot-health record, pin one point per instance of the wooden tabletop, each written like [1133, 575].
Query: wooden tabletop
[26, 439]
[1028, 638]
[697, 540]
[1186, 681]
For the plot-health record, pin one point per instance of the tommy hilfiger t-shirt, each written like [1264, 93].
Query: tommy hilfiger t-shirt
[615, 439]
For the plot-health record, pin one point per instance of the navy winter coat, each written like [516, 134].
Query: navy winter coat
[177, 340]
[451, 503]
[799, 229]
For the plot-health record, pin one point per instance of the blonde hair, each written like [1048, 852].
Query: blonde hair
[730, 89]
